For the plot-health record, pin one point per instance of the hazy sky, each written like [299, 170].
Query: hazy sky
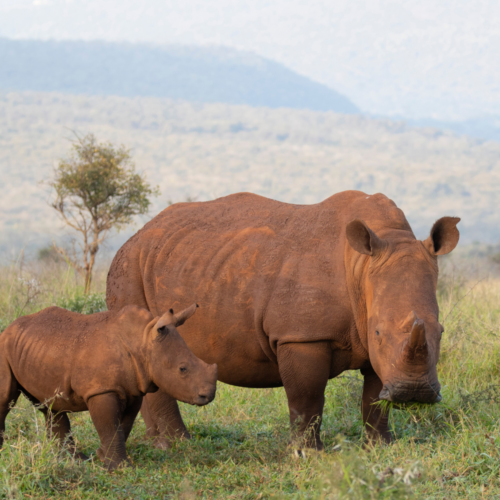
[424, 58]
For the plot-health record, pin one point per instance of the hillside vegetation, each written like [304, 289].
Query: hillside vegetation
[240, 445]
[210, 150]
[203, 74]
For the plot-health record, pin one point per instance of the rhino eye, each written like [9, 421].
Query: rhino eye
[377, 332]
[183, 369]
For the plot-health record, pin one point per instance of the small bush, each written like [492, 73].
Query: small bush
[85, 304]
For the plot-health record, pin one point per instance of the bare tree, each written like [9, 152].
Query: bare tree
[97, 189]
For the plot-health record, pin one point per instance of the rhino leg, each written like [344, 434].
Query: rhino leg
[106, 411]
[304, 370]
[163, 419]
[9, 394]
[129, 416]
[59, 426]
[376, 421]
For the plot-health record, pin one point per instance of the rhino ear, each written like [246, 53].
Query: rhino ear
[362, 238]
[182, 316]
[162, 324]
[163, 331]
[444, 236]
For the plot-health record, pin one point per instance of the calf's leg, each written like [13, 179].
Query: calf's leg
[106, 411]
[9, 394]
[304, 370]
[129, 416]
[376, 421]
[162, 418]
[59, 426]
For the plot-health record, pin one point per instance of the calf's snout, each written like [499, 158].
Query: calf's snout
[206, 393]
[204, 399]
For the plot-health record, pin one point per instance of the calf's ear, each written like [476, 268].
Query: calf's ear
[162, 324]
[362, 238]
[182, 316]
[444, 236]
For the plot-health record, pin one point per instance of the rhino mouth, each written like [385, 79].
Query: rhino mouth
[204, 398]
[411, 392]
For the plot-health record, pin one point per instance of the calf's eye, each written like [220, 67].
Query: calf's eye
[377, 332]
[183, 369]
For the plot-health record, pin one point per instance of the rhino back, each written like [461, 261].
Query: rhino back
[262, 271]
[56, 351]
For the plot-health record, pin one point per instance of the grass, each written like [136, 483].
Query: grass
[240, 445]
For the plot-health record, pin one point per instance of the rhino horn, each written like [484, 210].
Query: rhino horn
[407, 324]
[417, 335]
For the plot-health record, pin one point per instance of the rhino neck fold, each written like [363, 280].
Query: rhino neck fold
[136, 347]
[356, 267]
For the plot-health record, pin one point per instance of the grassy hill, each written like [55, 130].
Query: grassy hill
[203, 74]
[210, 150]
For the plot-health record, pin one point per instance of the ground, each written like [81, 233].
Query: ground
[240, 447]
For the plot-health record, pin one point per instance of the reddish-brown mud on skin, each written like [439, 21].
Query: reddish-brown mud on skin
[104, 363]
[293, 295]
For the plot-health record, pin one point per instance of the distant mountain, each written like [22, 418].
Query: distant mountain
[412, 58]
[202, 74]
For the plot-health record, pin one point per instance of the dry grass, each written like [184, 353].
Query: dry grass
[29, 286]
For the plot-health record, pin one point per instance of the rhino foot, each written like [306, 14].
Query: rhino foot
[162, 443]
[378, 439]
[113, 463]
[165, 443]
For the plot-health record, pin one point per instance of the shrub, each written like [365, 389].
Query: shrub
[85, 304]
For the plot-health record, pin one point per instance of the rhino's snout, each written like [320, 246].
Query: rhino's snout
[411, 392]
[205, 398]
[206, 394]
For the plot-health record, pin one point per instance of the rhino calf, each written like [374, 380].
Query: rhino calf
[104, 363]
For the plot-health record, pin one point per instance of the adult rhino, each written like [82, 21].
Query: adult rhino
[294, 295]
